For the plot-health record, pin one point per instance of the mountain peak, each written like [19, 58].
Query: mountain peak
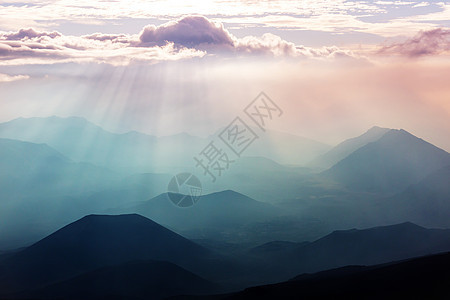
[348, 146]
[374, 133]
[91, 216]
[400, 132]
[376, 128]
[113, 218]
[229, 195]
[389, 164]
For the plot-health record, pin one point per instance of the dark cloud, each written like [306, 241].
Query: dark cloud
[429, 42]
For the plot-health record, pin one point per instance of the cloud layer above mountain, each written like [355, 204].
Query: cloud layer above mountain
[188, 37]
[28, 46]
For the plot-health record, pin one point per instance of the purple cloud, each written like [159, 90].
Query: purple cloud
[429, 42]
[200, 33]
[29, 33]
[188, 37]
[190, 32]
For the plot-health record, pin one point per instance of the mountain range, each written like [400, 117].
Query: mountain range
[135, 152]
[31, 168]
[107, 256]
[271, 216]
[352, 247]
[353, 192]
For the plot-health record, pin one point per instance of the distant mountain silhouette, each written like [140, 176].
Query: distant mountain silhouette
[354, 247]
[81, 140]
[213, 215]
[134, 152]
[29, 168]
[342, 150]
[133, 280]
[390, 164]
[420, 278]
[92, 242]
[41, 190]
[374, 245]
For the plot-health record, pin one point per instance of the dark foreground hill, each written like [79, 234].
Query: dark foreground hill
[114, 257]
[92, 242]
[420, 278]
[133, 280]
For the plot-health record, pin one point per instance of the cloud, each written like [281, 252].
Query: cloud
[267, 44]
[190, 31]
[431, 42]
[29, 33]
[28, 46]
[203, 34]
[116, 38]
[9, 78]
[188, 37]
[270, 44]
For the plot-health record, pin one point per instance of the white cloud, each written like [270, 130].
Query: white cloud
[9, 78]
[321, 15]
[421, 4]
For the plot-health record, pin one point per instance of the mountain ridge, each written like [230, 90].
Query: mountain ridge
[390, 164]
[346, 147]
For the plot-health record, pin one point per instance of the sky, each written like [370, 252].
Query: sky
[336, 68]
